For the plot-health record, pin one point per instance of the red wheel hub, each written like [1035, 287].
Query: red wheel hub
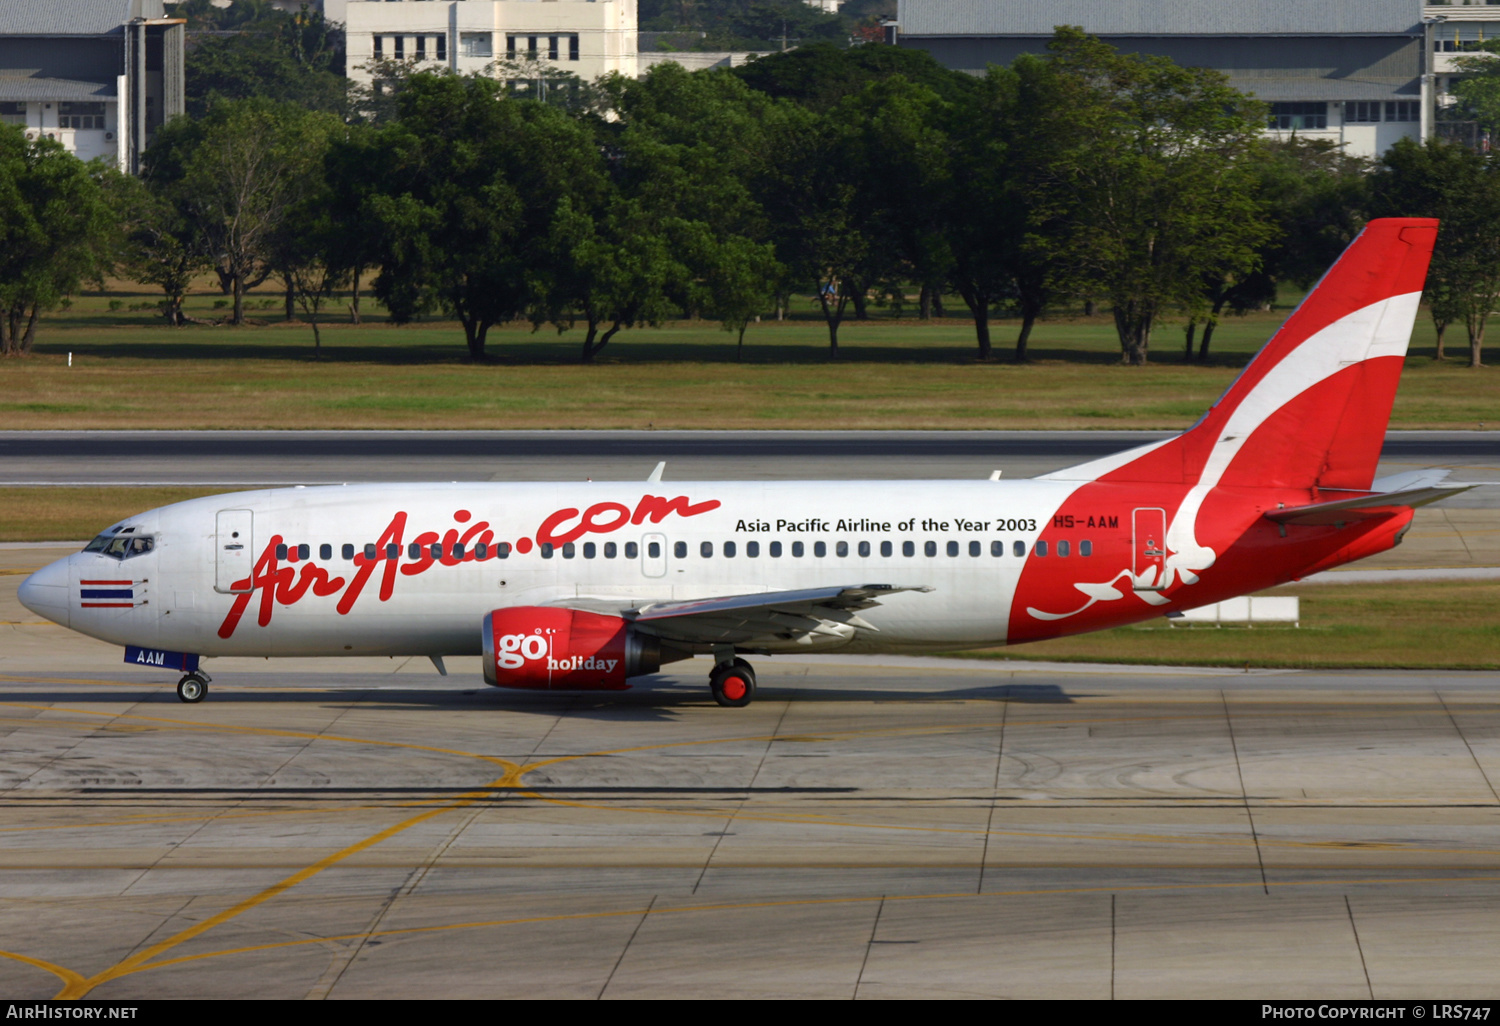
[734, 688]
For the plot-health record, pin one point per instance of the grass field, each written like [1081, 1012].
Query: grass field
[73, 514]
[1438, 624]
[132, 371]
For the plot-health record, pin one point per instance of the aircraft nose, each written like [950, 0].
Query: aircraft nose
[45, 592]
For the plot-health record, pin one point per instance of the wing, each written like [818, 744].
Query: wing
[743, 619]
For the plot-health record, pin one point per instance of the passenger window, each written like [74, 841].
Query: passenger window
[436, 549]
[953, 548]
[481, 550]
[679, 549]
[1085, 548]
[370, 551]
[885, 548]
[820, 549]
[775, 550]
[706, 550]
[1062, 549]
[752, 549]
[1041, 548]
[610, 550]
[729, 550]
[797, 549]
[281, 552]
[546, 548]
[653, 550]
[589, 550]
[392, 551]
[908, 548]
[568, 550]
[458, 550]
[632, 550]
[325, 551]
[841, 549]
[414, 551]
[348, 551]
[929, 549]
[864, 548]
[974, 548]
[997, 548]
[503, 550]
[1019, 548]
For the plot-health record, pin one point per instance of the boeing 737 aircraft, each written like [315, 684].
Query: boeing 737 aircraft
[583, 586]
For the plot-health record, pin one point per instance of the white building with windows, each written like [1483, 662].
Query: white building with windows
[99, 76]
[1355, 72]
[587, 37]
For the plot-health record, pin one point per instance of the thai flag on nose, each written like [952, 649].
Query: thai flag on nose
[107, 594]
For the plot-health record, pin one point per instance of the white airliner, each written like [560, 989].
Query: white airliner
[583, 586]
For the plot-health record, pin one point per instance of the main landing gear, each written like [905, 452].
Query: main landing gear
[733, 683]
[193, 687]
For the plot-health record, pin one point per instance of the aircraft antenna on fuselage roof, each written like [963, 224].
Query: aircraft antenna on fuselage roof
[655, 475]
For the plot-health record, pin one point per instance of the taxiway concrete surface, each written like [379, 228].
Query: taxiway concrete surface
[867, 829]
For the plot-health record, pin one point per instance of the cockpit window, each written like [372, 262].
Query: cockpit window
[121, 546]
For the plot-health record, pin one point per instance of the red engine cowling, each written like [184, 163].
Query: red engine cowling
[544, 647]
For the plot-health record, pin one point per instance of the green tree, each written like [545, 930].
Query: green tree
[1313, 196]
[267, 54]
[612, 268]
[813, 201]
[55, 232]
[821, 75]
[899, 155]
[471, 185]
[1477, 93]
[1160, 165]
[1461, 188]
[690, 150]
[237, 174]
[159, 246]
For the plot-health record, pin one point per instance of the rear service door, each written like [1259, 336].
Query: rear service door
[235, 548]
[1150, 541]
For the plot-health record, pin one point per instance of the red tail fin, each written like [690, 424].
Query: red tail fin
[1311, 409]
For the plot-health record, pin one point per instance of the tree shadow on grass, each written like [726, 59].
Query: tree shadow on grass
[565, 352]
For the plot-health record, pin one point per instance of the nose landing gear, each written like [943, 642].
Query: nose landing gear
[733, 684]
[193, 687]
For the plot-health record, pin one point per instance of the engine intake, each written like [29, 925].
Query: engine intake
[566, 649]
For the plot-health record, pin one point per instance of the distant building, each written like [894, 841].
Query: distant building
[587, 37]
[1356, 72]
[1455, 31]
[98, 75]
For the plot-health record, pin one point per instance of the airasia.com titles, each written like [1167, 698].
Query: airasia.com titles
[283, 584]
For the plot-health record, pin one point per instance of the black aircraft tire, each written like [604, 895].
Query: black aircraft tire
[192, 688]
[732, 687]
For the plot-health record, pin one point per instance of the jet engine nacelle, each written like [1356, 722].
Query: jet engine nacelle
[545, 647]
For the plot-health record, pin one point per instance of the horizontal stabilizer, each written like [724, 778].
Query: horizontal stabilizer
[1411, 479]
[1342, 511]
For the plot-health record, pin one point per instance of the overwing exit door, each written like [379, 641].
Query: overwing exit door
[654, 555]
[1149, 540]
[234, 547]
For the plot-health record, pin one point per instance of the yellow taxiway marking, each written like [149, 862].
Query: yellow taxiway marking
[802, 902]
[80, 987]
[68, 976]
